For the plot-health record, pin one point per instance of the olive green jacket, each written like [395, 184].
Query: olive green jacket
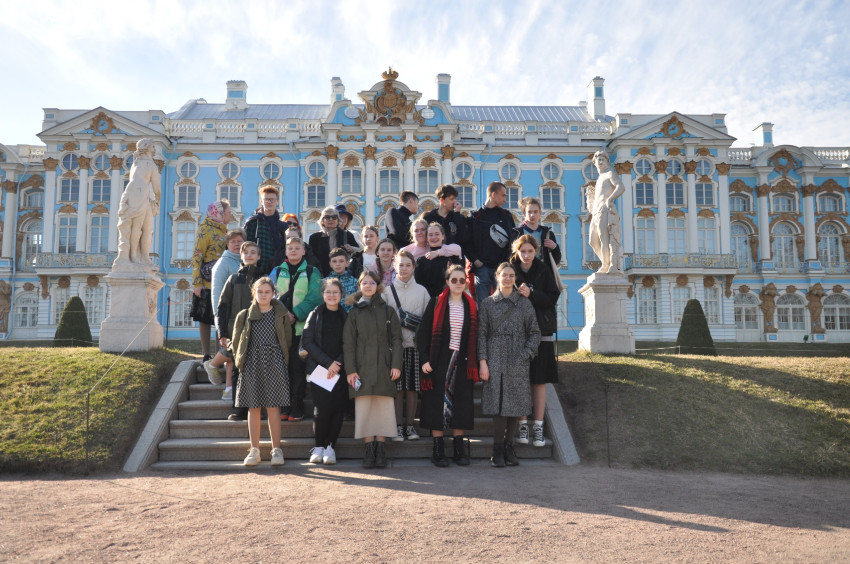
[241, 337]
[366, 349]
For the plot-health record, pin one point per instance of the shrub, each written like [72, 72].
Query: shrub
[694, 336]
[73, 329]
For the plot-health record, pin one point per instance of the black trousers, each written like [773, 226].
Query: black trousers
[242, 411]
[328, 426]
[297, 374]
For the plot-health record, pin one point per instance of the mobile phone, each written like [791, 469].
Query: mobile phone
[357, 384]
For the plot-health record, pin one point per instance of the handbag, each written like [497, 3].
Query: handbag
[206, 270]
[557, 274]
[407, 320]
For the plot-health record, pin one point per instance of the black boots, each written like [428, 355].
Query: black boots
[438, 453]
[498, 458]
[461, 451]
[369, 455]
[510, 455]
[380, 454]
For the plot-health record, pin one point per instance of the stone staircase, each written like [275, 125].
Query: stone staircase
[201, 437]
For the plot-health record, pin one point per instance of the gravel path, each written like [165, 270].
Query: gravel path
[537, 512]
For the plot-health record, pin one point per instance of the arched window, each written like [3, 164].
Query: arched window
[26, 310]
[34, 198]
[784, 204]
[184, 239]
[32, 242]
[836, 312]
[674, 167]
[783, 246]
[791, 312]
[706, 233]
[739, 203]
[645, 236]
[746, 311]
[829, 203]
[739, 240]
[829, 248]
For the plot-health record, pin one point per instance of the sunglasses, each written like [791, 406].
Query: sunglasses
[334, 217]
[292, 224]
[457, 280]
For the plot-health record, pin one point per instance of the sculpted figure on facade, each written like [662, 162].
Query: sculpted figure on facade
[814, 297]
[605, 225]
[768, 306]
[139, 205]
[5, 306]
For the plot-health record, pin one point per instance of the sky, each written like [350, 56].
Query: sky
[787, 63]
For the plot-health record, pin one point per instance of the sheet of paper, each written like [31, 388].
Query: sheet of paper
[319, 376]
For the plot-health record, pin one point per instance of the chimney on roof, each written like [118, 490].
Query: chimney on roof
[237, 95]
[337, 90]
[444, 82]
[764, 135]
[596, 97]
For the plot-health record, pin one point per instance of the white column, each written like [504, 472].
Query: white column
[11, 207]
[82, 212]
[808, 223]
[764, 222]
[447, 172]
[409, 184]
[333, 190]
[625, 171]
[723, 205]
[370, 191]
[661, 220]
[49, 206]
[693, 242]
[115, 193]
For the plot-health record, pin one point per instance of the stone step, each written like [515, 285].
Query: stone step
[205, 391]
[213, 449]
[299, 464]
[222, 428]
[220, 409]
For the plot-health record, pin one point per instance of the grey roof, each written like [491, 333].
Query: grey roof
[557, 114]
[194, 110]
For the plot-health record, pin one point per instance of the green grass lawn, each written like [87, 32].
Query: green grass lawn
[44, 405]
[753, 414]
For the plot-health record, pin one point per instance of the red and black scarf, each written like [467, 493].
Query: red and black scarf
[471, 339]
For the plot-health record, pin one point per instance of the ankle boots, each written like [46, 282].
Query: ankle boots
[369, 455]
[510, 455]
[438, 453]
[461, 451]
[504, 455]
[380, 454]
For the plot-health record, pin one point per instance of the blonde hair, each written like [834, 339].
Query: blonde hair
[260, 282]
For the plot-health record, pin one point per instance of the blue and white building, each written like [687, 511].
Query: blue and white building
[759, 235]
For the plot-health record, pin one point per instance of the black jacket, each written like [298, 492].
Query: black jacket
[311, 339]
[454, 224]
[544, 294]
[544, 234]
[431, 273]
[320, 244]
[397, 225]
[481, 246]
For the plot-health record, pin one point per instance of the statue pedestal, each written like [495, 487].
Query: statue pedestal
[606, 329]
[132, 311]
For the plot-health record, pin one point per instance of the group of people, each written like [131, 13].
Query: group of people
[389, 324]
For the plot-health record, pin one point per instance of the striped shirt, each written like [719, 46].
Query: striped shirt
[455, 324]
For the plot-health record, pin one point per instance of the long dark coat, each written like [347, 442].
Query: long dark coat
[366, 350]
[433, 385]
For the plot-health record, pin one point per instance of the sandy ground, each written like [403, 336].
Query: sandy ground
[537, 512]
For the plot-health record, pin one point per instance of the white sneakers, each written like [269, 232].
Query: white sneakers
[330, 455]
[213, 373]
[522, 436]
[537, 435]
[277, 457]
[253, 457]
[317, 455]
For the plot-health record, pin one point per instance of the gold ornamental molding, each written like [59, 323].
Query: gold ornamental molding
[744, 289]
[831, 185]
[742, 217]
[788, 217]
[623, 168]
[34, 181]
[753, 241]
[45, 286]
[159, 164]
[690, 167]
[722, 168]
[791, 289]
[832, 216]
[800, 242]
[673, 128]
[230, 155]
[68, 175]
[462, 155]
[674, 151]
[181, 264]
[763, 190]
[189, 154]
[463, 182]
[661, 167]
[99, 209]
[317, 153]
[676, 180]
[100, 175]
[331, 150]
[630, 291]
[93, 281]
[707, 213]
[782, 162]
[409, 151]
[28, 287]
[784, 185]
[552, 183]
[646, 178]
[510, 183]
[84, 162]
[102, 147]
[428, 162]
[369, 151]
[553, 156]
[10, 186]
[646, 212]
[845, 242]
[316, 181]
[389, 162]
[352, 208]
[351, 161]
[64, 282]
[644, 151]
[102, 123]
[728, 290]
[185, 215]
[182, 284]
[511, 156]
[427, 206]
[703, 152]
[69, 146]
[709, 281]
[838, 288]
[50, 164]
[448, 152]
[676, 213]
[131, 147]
[67, 208]
[390, 105]
[682, 280]
[704, 178]
[271, 155]
[116, 163]
[647, 281]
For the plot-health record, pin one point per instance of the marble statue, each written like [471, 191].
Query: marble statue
[139, 205]
[5, 305]
[605, 227]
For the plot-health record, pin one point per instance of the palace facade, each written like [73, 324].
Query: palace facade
[759, 235]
